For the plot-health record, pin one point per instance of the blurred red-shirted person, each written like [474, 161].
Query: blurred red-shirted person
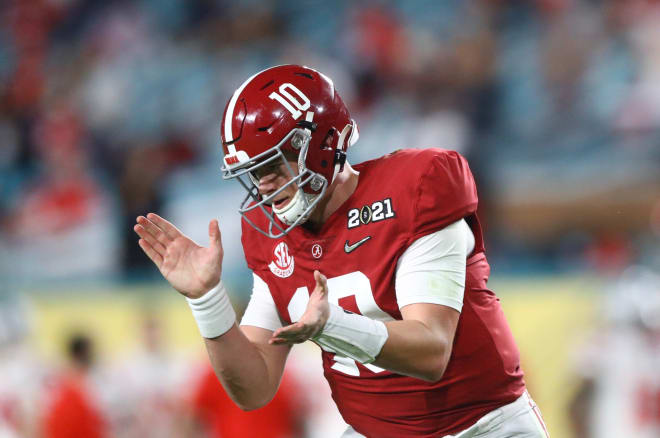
[71, 410]
[219, 417]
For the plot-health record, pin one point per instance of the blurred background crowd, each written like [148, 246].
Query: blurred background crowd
[110, 109]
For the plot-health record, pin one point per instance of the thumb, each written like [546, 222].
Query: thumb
[321, 283]
[214, 234]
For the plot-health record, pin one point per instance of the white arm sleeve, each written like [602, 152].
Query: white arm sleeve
[432, 269]
[261, 310]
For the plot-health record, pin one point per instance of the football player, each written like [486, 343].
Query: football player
[381, 264]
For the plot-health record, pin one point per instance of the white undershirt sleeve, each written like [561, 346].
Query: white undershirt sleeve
[261, 310]
[432, 269]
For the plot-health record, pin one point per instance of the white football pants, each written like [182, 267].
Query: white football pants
[520, 419]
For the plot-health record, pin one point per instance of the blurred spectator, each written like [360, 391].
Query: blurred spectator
[63, 197]
[610, 253]
[619, 390]
[143, 392]
[23, 374]
[219, 417]
[71, 409]
[640, 110]
[61, 219]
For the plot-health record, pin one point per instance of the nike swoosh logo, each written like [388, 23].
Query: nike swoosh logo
[350, 248]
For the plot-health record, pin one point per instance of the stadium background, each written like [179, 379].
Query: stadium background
[110, 109]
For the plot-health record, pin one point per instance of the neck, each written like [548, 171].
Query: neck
[339, 191]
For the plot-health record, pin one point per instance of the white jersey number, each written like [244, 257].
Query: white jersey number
[291, 103]
[353, 284]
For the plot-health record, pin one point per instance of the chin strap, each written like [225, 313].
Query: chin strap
[340, 159]
[308, 124]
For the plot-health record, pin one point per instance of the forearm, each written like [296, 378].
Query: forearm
[418, 346]
[242, 369]
[246, 366]
[413, 349]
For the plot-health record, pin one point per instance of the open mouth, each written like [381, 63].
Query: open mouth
[279, 204]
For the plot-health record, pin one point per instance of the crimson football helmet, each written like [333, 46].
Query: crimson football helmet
[292, 110]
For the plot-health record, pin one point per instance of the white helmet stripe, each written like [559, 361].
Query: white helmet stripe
[230, 108]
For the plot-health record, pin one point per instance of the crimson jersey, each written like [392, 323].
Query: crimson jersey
[399, 198]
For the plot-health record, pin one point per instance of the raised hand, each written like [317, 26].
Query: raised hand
[312, 321]
[191, 269]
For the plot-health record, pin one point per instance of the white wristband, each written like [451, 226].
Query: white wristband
[213, 312]
[352, 335]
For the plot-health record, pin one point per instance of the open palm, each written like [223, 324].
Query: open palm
[312, 320]
[190, 268]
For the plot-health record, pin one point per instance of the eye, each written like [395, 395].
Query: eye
[265, 170]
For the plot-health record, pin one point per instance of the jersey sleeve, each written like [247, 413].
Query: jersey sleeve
[445, 193]
[261, 310]
[432, 269]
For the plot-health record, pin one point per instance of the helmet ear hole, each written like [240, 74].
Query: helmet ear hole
[326, 144]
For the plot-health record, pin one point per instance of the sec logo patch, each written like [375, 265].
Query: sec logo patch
[283, 262]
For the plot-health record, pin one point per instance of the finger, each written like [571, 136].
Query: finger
[284, 330]
[170, 230]
[321, 283]
[151, 252]
[280, 341]
[155, 244]
[295, 332]
[290, 338]
[289, 331]
[154, 230]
